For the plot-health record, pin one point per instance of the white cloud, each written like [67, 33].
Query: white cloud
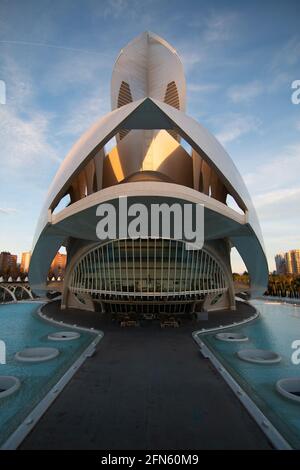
[7, 210]
[203, 87]
[236, 125]
[76, 69]
[274, 186]
[275, 197]
[81, 115]
[210, 33]
[19, 87]
[24, 131]
[120, 9]
[220, 27]
[191, 58]
[24, 140]
[281, 171]
[288, 55]
[246, 92]
[279, 206]
[116, 8]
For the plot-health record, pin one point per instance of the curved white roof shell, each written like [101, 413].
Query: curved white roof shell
[148, 64]
[148, 112]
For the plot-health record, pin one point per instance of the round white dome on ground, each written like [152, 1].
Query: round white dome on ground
[228, 336]
[8, 385]
[289, 388]
[259, 356]
[63, 336]
[36, 354]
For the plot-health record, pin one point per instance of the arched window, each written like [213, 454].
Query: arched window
[124, 98]
[172, 96]
[172, 99]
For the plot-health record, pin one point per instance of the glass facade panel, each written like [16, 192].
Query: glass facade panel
[138, 268]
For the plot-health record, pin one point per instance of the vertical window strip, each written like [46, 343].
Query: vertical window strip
[162, 266]
[120, 266]
[154, 280]
[126, 264]
[87, 274]
[213, 277]
[90, 271]
[74, 279]
[147, 280]
[82, 275]
[181, 266]
[141, 269]
[191, 270]
[186, 270]
[93, 269]
[209, 271]
[104, 270]
[169, 261]
[133, 263]
[100, 268]
[175, 268]
[195, 271]
[107, 268]
[199, 275]
[113, 246]
[204, 273]
[219, 278]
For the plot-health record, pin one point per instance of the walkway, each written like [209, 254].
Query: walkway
[146, 388]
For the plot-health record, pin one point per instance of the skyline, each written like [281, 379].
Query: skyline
[57, 75]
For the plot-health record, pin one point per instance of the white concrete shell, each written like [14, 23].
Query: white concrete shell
[147, 113]
[148, 64]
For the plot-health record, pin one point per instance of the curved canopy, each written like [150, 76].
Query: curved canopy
[148, 114]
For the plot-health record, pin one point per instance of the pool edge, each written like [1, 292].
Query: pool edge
[271, 432]
[20, 433]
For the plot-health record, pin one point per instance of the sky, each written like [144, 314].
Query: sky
[240, 59]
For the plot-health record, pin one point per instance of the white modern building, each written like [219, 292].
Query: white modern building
[160, 155]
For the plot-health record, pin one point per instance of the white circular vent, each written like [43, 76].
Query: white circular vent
[8, 385]
[259, 356]
[36, 354]
[289, 388]
[63, 336]
[231, 337]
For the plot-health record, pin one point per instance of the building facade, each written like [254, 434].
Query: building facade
[280, 263]
[288, 263]
[25, 261]
[8, 262]
[292, 260]
[58, 264]
[149, 150]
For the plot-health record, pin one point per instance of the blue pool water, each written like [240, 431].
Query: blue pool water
[20, 327]
[276, 329]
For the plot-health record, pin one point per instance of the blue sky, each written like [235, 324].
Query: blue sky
[240, 59]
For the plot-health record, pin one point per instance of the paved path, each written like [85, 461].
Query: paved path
[146, 388]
